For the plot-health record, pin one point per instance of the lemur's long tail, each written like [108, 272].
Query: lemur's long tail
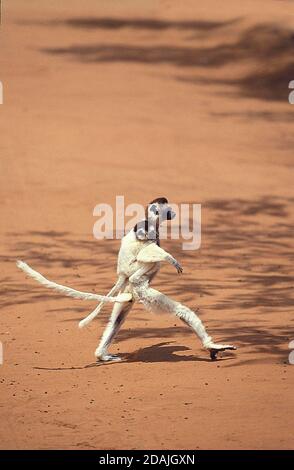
[68, 290]
[120, 284]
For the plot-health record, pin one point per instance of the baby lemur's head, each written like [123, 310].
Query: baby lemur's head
[156, 212]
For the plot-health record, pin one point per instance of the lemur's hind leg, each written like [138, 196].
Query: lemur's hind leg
[117, 318]
[155, 300]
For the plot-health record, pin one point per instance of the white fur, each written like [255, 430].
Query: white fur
[121, 282]
[68, 290]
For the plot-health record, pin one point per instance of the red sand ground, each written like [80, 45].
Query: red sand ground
[184, 99]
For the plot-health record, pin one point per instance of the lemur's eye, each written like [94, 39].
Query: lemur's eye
[156, 212]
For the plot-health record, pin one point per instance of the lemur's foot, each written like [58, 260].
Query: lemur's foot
[108, 358]
[214, 349]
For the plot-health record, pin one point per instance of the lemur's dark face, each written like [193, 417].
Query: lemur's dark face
[156, 212]
[159, 211]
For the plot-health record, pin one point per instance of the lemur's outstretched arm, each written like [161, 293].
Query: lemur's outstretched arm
[152, 253]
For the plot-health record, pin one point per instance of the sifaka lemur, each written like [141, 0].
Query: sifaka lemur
[139, 261]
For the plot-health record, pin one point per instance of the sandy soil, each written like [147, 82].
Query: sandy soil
[183, 99]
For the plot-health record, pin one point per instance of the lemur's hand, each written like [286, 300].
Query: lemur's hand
[174, 263]
[178, 267]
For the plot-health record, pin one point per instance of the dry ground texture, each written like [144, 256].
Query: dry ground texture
[146, 98]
